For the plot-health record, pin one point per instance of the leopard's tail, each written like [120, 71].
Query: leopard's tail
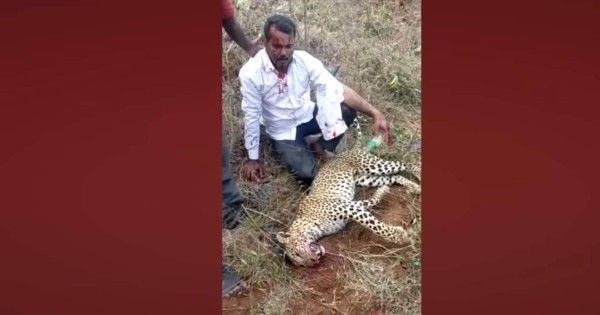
[358, 135]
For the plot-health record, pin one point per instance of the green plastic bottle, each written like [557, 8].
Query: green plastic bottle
[374, 143]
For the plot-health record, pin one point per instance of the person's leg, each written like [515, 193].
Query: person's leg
[297, 158]
[296, 155]
[231, 281]
[232, 211]
[232, 199]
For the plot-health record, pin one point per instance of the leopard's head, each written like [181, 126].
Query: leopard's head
[300, 251]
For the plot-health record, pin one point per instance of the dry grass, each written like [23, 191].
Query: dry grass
[377, 44]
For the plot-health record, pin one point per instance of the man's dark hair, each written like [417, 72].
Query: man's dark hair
[282, 23]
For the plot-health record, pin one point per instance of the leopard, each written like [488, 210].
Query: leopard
[329, 205]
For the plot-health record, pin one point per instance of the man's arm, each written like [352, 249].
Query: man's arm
[252, 108]
[333, 92]
[356, 102]
[236, 33]
[325, 82]
[234, 30]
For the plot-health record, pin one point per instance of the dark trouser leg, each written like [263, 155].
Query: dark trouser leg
[232, 199]
[348, 114]
[232, 210]
[230, 281]
[297, 158]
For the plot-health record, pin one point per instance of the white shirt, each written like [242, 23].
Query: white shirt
[283, 104]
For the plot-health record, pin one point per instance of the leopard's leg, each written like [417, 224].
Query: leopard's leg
[359, 212]
[368, 163]
[368, 180]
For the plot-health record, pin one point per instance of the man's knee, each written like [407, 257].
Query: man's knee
[305, 172]
[348, 114]
[299, 162]
[303, 167]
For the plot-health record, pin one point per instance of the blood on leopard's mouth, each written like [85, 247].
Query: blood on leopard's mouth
[318, 252]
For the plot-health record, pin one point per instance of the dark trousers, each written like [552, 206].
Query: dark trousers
[232, 199]
[296, 155]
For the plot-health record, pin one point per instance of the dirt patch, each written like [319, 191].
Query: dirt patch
[324, 290]
[244, 301]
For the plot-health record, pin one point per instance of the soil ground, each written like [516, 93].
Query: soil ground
[324, 280]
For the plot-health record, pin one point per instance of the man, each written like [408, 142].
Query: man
[275, 87]
[232, 200]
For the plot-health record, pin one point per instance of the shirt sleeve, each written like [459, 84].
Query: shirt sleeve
[228, 11]
[330, 94]
[252, 108]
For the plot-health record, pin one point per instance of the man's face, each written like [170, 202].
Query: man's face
[280, 49]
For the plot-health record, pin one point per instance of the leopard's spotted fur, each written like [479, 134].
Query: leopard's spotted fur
[330, 204]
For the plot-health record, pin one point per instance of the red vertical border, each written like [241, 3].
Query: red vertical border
[510, 155]
[110, 165]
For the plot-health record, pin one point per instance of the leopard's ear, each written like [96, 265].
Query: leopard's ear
[282, 237]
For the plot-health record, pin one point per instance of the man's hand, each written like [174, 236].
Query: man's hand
[254, 47]
[356, 102]
[234, 30]
[381, 126]
[253, 170]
